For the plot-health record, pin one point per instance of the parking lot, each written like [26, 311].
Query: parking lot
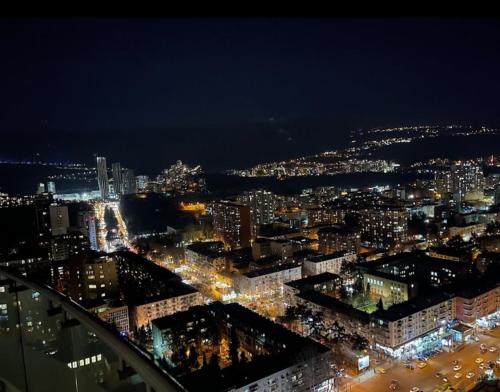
[425, 377]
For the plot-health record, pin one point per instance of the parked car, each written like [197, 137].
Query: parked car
[457, 368]
[470, 375]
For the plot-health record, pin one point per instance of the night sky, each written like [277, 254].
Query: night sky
[233, 92]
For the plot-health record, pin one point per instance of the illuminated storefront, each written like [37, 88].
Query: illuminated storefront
[490, 321]
[418, 346]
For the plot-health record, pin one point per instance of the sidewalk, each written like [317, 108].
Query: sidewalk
[350, 382]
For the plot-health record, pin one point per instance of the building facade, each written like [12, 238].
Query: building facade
[268, 280]
[318, 264]
[232, 224]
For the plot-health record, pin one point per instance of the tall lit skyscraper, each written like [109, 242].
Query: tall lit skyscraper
[102, 177]
[117, 178]
[262, 205]
[467, 178]
[232, 224]
[51, 187]
[129, 185]
[497, 194]
[142, 182]
[41, 188]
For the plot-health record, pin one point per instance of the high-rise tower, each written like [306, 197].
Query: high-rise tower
[102, 177]
[117, 178]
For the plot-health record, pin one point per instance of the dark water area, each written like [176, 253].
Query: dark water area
[24, 179]
[451, 147]
[224, 185]
[216, 147]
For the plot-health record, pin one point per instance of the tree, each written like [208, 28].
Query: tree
[380, 304]
[493, 228]
[337, 332]
[204, 363]
[358, 284]
[343, 292]
[193, 357]
[233, 346]
[243, 357]
[290, 315]
[141, 335]
[214, 362]
[304, 313]
[182, 355]
[358, 342]
[315, 323]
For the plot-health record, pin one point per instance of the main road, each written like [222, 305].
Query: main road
[425, 379]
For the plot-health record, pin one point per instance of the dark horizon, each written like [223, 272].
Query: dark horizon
[230, 93]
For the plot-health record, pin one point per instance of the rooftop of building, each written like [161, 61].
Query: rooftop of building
[172, 289]
[242, 255]
[273, 269]
[274, 230]
[449, 251]
[266, 260]
[313, 280]
[318, 258]
[210, 249]
[302, 240]
[101, 302]
[477, 287]
[305, 253]
[334, 304]
[129, 259]
[417, 304]
[393, 277]
[417, 258]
